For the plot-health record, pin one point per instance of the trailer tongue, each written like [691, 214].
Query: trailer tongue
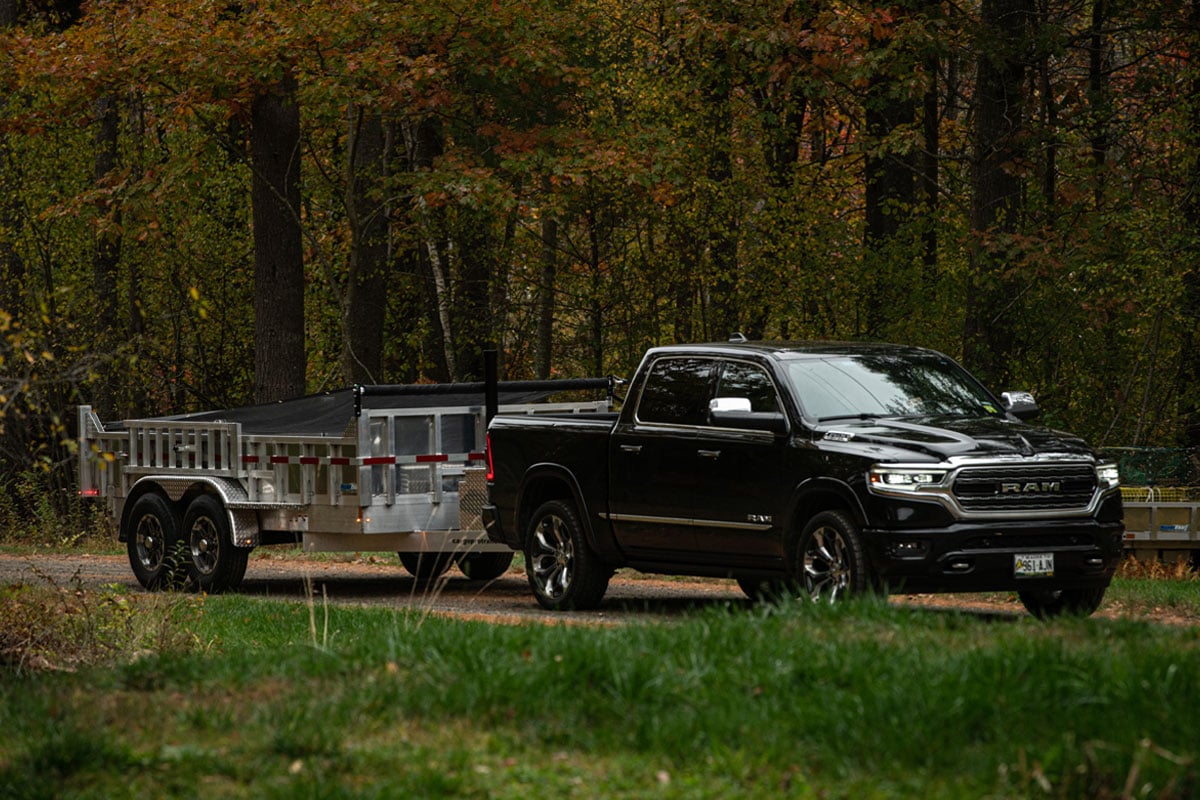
[373, 468]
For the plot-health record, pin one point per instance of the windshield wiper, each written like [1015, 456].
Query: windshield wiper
[863, 416]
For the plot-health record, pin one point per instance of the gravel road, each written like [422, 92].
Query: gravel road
[377, 581]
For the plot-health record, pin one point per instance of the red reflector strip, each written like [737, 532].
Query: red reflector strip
[279, 459]
[340, 461]
[309, 460]
[476, 456]
[89, 492]
[249, 459]
[379, 460]
[430, 459]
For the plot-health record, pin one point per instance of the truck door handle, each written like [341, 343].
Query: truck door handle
[713, 454]
[631, 448]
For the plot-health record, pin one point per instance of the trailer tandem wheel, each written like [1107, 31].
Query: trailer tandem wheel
[214, 565]
[426, 567]
[484, 566]
[153, 542]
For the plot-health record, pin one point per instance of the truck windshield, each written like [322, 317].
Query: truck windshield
[866, 386]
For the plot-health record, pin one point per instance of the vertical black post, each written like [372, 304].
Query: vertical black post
[491, 388]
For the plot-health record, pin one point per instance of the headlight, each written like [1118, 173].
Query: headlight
[1107, 476]
[905, 479]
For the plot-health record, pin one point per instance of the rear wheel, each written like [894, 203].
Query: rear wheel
[1049, 603]
[214, 565]
[563, 571]
[485, 566]
[152, 542]
[426, 567]
[831, 563]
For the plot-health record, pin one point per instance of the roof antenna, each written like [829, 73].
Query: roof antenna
[738, 336]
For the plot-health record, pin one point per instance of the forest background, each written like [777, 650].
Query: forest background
[208, 203]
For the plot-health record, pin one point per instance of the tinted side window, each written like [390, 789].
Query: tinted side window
[739, 379]
[677, 392]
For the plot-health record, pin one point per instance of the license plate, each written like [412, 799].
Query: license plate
[1033, 565]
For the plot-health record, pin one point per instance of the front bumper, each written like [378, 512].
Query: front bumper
[974, 557]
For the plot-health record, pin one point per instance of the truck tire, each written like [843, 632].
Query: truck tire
[563, 571]
[214, 565]
[1049, 603]
[426, 567]
[152, 542]
[830, 560]
[484, 566]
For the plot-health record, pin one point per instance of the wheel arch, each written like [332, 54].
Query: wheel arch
[815, 496]
[180, 492]
[544, 482]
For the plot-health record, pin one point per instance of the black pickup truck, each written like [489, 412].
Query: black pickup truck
[821, 469]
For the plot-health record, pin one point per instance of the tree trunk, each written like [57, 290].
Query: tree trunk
[1190, 311]
[279, 360]
[545, 298]
[992, 293]
[12, 265]
[107, 253]
[367, 290]
[1099, 97]
[890, 193]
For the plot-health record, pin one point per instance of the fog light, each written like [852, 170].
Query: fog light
[913, 549]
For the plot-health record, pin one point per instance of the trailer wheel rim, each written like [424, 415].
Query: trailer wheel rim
[553, 557]
[150, 542]
[827, 566]
[205, 542]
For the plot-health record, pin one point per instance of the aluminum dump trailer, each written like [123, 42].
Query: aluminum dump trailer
[372, 468]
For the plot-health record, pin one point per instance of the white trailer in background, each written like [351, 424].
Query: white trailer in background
[373, 468]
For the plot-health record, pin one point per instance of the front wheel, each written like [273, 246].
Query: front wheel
[214, 565]
[563, 571]
[831, 562]
[1050, 603]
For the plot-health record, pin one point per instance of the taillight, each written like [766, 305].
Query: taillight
[491, 468]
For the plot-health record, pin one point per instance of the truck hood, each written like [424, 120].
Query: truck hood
[945, 437]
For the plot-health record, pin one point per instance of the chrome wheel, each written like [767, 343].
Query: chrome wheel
[563, 571]
[830, 560]
[552, 557]
[827, 568]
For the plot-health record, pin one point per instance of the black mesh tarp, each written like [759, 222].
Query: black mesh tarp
[333, 413]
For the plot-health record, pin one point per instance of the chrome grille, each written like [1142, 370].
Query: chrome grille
[1051, 487]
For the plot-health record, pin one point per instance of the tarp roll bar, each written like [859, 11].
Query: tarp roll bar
[481, 388]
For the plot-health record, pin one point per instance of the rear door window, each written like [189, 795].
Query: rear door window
[677, 392]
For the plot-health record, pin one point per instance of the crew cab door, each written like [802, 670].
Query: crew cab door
[653, 461]
[742, 497]
[686, 490]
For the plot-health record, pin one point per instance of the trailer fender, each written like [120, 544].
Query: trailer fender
[243, 522]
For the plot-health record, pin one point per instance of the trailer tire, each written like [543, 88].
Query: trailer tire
[484, 566]
[564, 573]
[426, 567]
[153, 542]
[214, 565]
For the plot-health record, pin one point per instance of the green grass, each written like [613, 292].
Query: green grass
[860, 700]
